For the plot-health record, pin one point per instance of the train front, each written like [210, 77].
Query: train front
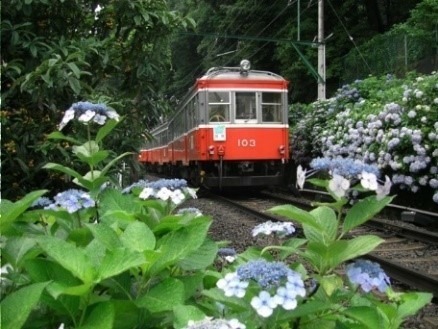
[245, 138]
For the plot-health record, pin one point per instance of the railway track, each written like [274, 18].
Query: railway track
[408, 255]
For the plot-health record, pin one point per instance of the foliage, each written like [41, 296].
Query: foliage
[102, 257]
[385, 121]
[55, 53]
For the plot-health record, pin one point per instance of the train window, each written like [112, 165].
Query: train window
[246, 106]
[271, 107]
[219, 106]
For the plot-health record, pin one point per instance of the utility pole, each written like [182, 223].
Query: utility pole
[321, 51]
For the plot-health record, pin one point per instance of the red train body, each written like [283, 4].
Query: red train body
[230, 130]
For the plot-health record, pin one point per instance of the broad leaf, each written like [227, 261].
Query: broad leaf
[343, 250]
[412, 302]
[10, 211]
[16, 307]
[106, 235]
[163, 297]
[106, 129]
[60, 135]
[101, 317]
[69, 256]
[367, 316]
[119, 260]
[185, 313]
[201, 257]
[296, 214]
[138, 237]
[364, 210]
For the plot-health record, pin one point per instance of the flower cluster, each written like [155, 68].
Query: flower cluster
[368, 275]
[87, 112]
[282, 229]
[71, 200]
[229, 254]
[210, 323]
[168, 189]
[345, 172]
[279, 285]
[190, 210]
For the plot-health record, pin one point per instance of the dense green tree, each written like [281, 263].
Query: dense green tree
[55, 53]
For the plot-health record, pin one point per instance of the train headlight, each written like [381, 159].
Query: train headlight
[281, 149]
[211, 150]
[245, 66]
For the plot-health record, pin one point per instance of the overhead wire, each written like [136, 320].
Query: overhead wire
[349, 36]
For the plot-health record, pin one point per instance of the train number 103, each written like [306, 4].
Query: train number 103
[246, 142]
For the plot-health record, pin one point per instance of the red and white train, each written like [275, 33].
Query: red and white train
[230, 130]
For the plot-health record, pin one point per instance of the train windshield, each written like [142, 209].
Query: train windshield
[271, 107]
[219, 106]
[246, 106]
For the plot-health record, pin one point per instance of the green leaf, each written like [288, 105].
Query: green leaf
[177, 245]
[60, 135]
[74, 68]
[412, 302]
[17, 248]
[184, 313]
[16, 307]
[138, 237]
[200, 258]
[106, 129]
[163, 297]
[10, 211]
[325, 217]
[343, 250]
[56, 289]
[69, 256]
[75, 84]
[66, 170]
[106, 235]
[119, 260]
[366, 315]
[89, 153]
[296, 214]
[318, 182]
[364, 210]
[101, 317]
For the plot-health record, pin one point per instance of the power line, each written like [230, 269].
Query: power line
[349, 35]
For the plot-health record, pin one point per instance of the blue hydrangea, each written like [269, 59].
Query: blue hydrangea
[345, 167]
[42, 202]
[86, 112]
[368, 275]
[72, 200]
[140, 184]
[266, 274]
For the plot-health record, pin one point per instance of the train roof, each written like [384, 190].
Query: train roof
[240, 77]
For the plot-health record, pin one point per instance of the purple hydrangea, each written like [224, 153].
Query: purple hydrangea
[72, 200]
[368, 275]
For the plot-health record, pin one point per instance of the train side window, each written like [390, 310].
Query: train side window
[271, 107]
[219, 106]
[246, 106]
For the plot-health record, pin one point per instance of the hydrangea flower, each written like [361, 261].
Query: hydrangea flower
[164, 189]
[264, 304]
[339, 185]
[282, 229]
[86, 111]
[368, 181]
[368, 275]
[210, 323]
[72, 200]
[190, 210]
[41, 202]
[229, 254]
[301, 177]
[232, 285]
